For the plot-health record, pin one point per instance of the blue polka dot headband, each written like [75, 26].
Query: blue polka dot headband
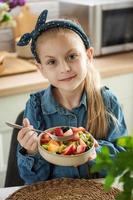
[42, 26]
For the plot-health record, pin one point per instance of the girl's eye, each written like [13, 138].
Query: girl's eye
[72, 56]
[51, 62]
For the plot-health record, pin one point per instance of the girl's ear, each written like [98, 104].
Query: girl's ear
[39, 66]
[90, 54]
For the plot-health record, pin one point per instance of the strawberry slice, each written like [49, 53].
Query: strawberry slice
[74, 148]
[80, 149]
[45, 138]
[69, 132]
[69, 150]
[58, 132]
[75, 137]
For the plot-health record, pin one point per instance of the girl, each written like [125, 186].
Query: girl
[74, 98]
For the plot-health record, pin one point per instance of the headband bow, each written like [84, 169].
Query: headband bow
[25, 39]
[41, 26]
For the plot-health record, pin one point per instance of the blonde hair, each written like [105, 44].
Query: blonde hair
[97, 115]
[96, 112]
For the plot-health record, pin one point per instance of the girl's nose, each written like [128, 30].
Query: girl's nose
[64, 67]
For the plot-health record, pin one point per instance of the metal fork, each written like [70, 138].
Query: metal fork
[54, 137]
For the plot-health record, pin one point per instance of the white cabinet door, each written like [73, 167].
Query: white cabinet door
[122, 87]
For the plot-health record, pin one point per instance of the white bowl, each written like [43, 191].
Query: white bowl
[65, 160]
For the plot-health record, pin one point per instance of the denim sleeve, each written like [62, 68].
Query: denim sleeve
[32, 168]
[113, 106]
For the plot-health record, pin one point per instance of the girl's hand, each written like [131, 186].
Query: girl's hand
[27, 138]
[94, 154]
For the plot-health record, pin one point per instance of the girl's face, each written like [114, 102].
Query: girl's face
[64, 60]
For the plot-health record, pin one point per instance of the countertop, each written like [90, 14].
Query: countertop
[108, 66]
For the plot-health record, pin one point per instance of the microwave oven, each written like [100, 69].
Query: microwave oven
[108, 23]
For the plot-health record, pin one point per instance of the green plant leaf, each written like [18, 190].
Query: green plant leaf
[126, 142]
[6, 17]
[109, 180]
[120, 167]
[123, 196]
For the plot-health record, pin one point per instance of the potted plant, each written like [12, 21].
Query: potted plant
[119, 169]
[6, 19]
[7, 23]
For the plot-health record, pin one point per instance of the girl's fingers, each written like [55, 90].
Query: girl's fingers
[33, 148]
[32, 139]
[93, 156]
[22, 133]
[31, 145]
[26, 122]
[29, 142]
[26, 138]
[95, 143]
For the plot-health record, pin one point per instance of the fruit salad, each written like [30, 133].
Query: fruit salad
[81, 141]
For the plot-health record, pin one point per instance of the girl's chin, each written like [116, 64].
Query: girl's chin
[69, 88]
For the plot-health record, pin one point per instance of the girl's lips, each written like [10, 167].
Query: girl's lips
[68, 78]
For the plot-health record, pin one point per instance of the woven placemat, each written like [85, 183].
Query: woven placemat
[66, 189]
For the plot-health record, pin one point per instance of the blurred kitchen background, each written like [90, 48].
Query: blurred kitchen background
[109, 23]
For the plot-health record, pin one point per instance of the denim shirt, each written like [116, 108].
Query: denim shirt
[44, 112]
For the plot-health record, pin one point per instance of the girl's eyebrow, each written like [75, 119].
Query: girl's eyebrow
[73, 49]
[47, 56]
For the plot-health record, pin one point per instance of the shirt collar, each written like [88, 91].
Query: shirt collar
[50, 105]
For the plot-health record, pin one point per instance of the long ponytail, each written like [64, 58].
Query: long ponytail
[97, 114]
